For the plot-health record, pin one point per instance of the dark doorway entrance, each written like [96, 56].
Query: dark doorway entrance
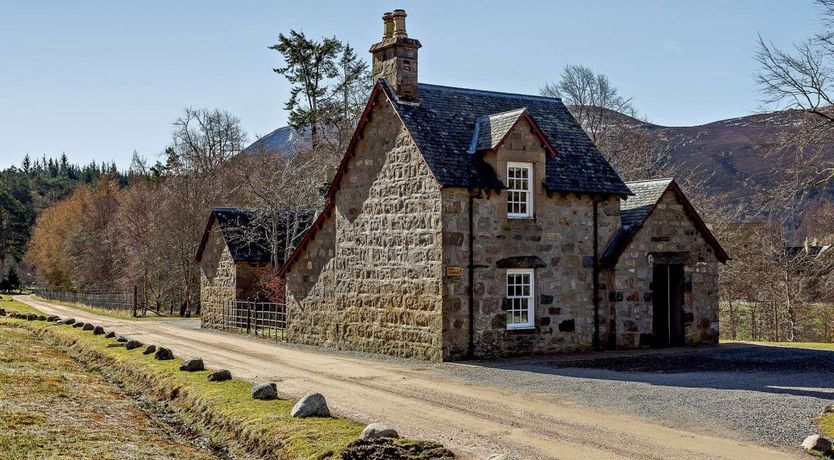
[667, 300]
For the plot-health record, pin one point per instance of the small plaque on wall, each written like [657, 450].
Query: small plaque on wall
[453, 272]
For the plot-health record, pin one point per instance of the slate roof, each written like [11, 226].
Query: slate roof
[490, 130]
[443, 121]
[636, 210]
[247, 241]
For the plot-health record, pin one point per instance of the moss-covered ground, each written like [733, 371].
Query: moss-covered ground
[224, 411]
[808, 345]
[826, 425]
[54, 407]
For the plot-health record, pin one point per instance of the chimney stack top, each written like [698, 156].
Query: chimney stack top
[399, 23]
[388, 21]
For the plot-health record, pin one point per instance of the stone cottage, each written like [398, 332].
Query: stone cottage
[467, 223]
[234, 254]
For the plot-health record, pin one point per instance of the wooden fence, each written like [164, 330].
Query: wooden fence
[131, 303]
[265, 319]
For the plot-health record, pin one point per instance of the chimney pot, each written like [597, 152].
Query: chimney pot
[399, 23]
[388, 21]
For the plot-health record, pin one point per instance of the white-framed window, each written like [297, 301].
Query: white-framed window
[519, 190]
[520, 295]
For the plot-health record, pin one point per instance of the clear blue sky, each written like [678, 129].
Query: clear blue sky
[100, 79]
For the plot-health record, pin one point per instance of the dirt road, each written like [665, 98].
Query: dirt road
[473, 420]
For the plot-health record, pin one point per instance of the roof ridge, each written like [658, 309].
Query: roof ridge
[644, 181]
[498, 93]
[496, 114]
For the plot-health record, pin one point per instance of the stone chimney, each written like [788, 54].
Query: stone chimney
[395, 57]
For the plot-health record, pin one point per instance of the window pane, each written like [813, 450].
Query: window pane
[519, 299]
[518, 190]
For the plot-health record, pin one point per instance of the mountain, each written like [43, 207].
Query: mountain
[285, 140]
[742, 156]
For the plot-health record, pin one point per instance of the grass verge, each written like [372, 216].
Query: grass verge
[87, 418]
[117, 314]
[826, 424]
[807, 345]
[224, 410]
[7, 302]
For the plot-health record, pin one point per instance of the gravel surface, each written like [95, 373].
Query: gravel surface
[764, 394]
[189, 323]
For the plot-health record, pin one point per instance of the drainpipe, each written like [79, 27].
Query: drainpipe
[470, 288]
[595, 282]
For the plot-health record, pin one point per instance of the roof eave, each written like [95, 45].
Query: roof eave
[199, 256]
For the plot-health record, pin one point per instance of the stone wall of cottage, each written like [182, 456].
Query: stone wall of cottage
[218, 281]
[668, 230]
[371, 278]
[313, 315]
[560, 235]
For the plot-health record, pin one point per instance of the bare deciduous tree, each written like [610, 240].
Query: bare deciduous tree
[204, 139]
[799, 79]
[595, 103]
[284, 192]
[203, 143]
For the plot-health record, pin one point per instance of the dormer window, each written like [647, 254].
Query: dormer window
[519, 190]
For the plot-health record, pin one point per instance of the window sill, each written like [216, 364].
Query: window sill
[521, 328]
[509, 217]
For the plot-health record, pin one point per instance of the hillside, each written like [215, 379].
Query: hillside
[284, 139]
[739, 157]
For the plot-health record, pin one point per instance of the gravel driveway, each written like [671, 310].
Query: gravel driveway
[766, 394]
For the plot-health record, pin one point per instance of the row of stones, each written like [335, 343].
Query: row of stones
[311, 405]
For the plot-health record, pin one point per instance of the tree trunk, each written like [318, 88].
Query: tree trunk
[732, 320]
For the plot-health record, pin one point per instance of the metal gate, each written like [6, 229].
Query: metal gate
[264, 319]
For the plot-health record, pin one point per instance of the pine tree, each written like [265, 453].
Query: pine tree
[309, 66]
[26, 164]
[12, 279]
[352, 86]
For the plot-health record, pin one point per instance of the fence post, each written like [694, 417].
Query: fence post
[135, 298]
[248, 319]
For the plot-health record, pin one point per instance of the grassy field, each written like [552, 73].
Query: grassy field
[118, 314]
[87, 416]
[7, 302]
[808, 345]
[224, 410]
